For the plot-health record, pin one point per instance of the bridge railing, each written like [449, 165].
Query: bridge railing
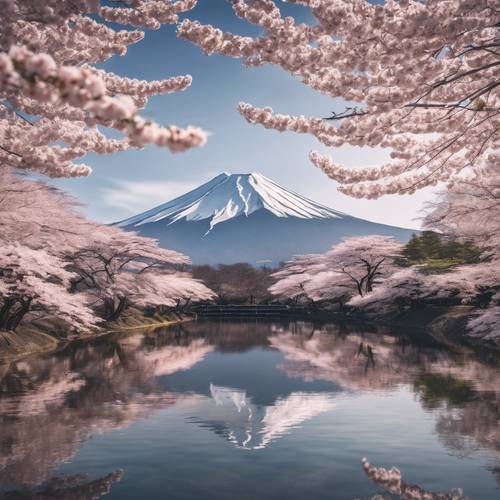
[248, 310]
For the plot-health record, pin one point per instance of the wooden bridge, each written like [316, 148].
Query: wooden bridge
[249, 311]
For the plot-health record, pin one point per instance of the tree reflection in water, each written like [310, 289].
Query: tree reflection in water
[49, 404]
[458, 386]
[68, 488]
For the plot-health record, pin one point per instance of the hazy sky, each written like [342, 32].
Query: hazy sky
[126, 183]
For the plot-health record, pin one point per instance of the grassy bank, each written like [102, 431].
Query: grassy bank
[45, 336]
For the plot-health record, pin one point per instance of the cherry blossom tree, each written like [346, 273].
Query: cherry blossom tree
[39, 216]
[54, 101]
[350, 268]
[421, 79]
[470, 208]
[55, 262]
[38, 226]
[292, 280]
[118, 268]
[35, 281]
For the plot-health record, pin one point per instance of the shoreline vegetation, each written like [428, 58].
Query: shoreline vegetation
[445, 323]
[37, 337]
[330, 287]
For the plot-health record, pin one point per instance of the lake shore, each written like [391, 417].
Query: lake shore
[445, 323]
[36, 338]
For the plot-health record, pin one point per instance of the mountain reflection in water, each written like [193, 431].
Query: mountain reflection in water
[255, 384]
[253, 427]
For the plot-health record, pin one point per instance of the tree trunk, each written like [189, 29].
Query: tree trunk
[112, 312]
[186, 305]
[5, 312]
[17, 316]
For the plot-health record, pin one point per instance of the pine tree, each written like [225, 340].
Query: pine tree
[413, 250]
[470, 253]
[451, 249]
[431, 245]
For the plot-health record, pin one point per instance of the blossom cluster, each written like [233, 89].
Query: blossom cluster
[35, 277]
[54, 261]
[147, 14]
[470, 207]
[418, 78]
[47, 75]
[391, 480]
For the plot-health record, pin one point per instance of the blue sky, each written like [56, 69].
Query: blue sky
[132, 181]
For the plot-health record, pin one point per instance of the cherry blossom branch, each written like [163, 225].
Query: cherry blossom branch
[391, 480]
[416, 70]
[47, 55]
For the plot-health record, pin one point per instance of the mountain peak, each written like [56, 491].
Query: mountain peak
[227, 196]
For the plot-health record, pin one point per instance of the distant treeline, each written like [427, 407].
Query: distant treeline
[238, 283]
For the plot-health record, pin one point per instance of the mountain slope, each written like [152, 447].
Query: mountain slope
[227, 196]
[249, 218]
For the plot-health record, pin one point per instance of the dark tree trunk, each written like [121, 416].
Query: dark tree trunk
[113, 311]
[5, 312]
[19, 315]
[11, 317]
[373, 272]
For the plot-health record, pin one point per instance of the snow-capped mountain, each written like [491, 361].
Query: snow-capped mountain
[248, 218]
[228, 196]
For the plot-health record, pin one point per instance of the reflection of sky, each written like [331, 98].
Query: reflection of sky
[118, 188]
[238, 370]
[311, 430]
[169, 457]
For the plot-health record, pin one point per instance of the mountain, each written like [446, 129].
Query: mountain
[249, 218]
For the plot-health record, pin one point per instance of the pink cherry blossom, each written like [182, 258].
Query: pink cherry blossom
[56, 263]
[419, 78]
[47, 73]
[354, 267]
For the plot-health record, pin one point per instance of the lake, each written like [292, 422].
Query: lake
[252, 410]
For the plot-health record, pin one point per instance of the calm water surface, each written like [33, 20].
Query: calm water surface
[246, 410]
